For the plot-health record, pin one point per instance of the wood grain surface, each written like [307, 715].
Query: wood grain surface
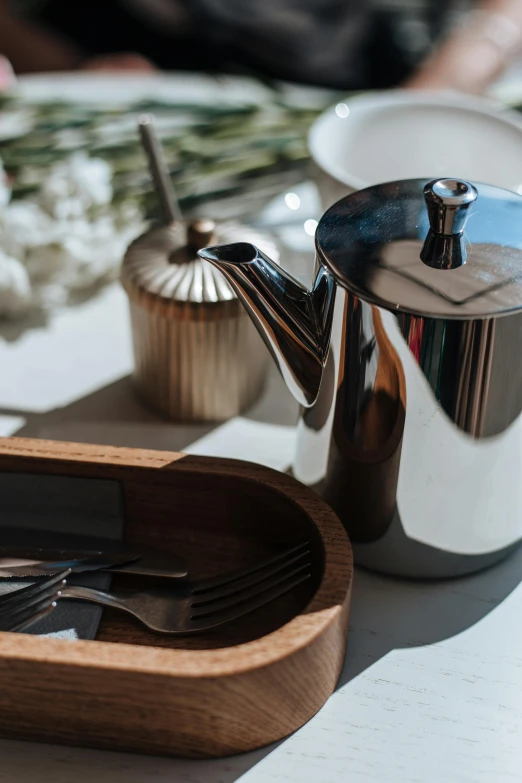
[230, 690]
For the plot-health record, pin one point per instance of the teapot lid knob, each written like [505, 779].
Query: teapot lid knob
[447, 202]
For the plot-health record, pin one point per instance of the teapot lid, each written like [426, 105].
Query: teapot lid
[442, 249]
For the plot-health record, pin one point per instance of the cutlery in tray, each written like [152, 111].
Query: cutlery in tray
[23, 562]
[63, 570]
[188, 607]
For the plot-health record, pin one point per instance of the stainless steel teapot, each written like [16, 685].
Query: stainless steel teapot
[406, 359]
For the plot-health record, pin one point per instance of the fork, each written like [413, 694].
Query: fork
[21, 608]
[198, 606]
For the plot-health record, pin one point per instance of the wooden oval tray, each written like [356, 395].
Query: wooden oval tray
[245, 685]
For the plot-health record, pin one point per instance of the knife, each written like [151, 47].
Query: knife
[47, 562]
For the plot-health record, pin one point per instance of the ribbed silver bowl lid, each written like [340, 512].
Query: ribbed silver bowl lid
[164, 261]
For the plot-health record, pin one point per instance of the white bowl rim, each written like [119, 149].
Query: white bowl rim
[399, 97]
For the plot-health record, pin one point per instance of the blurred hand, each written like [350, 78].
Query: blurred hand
[477, 52]
[429, 80]
[119, 61]
[457, 67]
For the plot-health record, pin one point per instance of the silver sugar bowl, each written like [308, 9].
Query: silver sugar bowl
[197, 355]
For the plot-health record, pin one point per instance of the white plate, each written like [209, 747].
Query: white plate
[401, 134]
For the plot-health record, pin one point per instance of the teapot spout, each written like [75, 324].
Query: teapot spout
[293, 321]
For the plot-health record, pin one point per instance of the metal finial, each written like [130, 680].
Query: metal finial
[447, 202]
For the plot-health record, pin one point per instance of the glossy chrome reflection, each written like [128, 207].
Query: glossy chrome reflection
[293, 322]
[408, 374]
[415, 439]
[447, 204]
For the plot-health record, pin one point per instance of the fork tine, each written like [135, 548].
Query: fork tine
[255, 577]
[23, 613]
[24, 622]
[222, 605]
[19, 607]
[255, 602]
[32, 603]
[213, 584]
[32, 589]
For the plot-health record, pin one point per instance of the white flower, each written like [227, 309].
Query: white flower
[75, 185]
[51, 296]
[15, 288]
[45, 263]
[66, 239]
[128, 214]
[23, 225]
[84, 253]
[69, 208]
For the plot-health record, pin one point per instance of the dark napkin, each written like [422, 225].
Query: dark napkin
[68, 513]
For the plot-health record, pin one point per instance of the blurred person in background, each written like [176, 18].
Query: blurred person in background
[343, 44]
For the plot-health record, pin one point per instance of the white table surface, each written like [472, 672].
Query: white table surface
[432, 686]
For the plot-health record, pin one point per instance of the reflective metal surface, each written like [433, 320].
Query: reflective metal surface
[415, 434]
[371, 243]
[191, 607]
[293, 322]
[197, 356]
[447, 203]
[416, 439]
[20, 609]
[31, 562]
